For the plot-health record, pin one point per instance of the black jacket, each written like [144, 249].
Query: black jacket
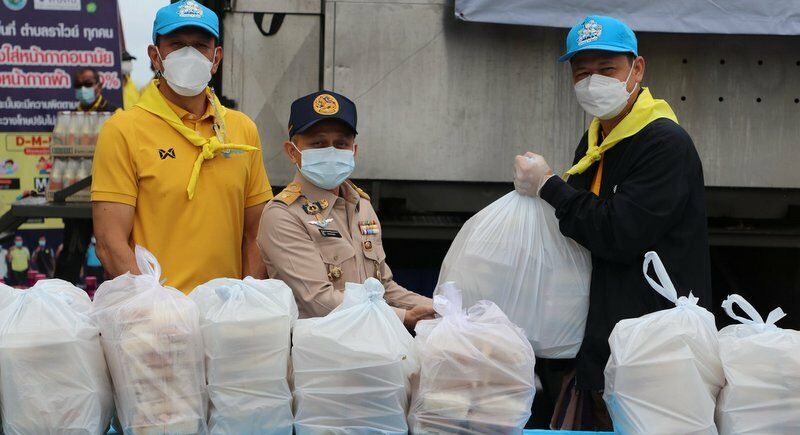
[651, 199]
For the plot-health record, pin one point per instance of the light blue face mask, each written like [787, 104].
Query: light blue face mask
[326, 168]
[85, 95]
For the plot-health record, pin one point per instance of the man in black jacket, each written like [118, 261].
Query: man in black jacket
[637, 186]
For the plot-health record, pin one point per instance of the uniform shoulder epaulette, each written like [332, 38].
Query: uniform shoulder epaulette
[360, 192]
[290, 194]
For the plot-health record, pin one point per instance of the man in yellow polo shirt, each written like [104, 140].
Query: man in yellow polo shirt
[179, 173]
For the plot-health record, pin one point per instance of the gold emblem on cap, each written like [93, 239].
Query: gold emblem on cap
[326, 104]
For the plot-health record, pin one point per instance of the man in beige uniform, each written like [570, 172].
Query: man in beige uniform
[322, 231]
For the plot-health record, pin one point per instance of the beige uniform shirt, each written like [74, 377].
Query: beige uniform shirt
[316, 241]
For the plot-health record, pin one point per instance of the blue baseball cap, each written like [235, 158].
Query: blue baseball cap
[597, 32]
[183, 14]
[313, 108]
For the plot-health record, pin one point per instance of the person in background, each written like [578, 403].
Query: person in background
[4, 264]
[130, 94]
[89, 91]
[322, 231]
[636, 186]
[93, 267]
[43, 258]
[179, 173]
[20, 258]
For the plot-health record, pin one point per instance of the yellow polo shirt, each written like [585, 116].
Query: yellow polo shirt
[140, 160]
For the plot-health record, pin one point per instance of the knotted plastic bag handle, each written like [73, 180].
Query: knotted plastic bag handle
[754, 317]
[149, 269]
[374, 289]
[230, 291]
[665, 287]
[449, 301]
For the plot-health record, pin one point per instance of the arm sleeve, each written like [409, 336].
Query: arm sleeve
[397, 295]
[621, 228]
[259, 190]
[114, 176]
[294, 259]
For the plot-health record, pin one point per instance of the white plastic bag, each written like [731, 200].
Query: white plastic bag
[513, 254]
[352, 367]
[664, 373]
[247, 334]
[762, 369]
[476, 370]
[154, 348]
[53, 377]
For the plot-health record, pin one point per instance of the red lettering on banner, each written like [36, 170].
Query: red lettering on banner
[17, 78]
[16, 55]
[35, 142]
[110, 80]
[37, 151]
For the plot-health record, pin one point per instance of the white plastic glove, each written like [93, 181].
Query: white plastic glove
[530, 173]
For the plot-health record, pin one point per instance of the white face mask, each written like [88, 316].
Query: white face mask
[187, 71]
[602, 96]
[127, 67]
[328, 167]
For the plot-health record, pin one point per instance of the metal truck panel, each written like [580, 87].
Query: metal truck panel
[264, 74]
[446, 100]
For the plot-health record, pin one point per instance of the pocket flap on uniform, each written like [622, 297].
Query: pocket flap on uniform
[373, 249]
[336, 252]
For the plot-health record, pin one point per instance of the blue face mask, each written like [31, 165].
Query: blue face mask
[85, 95]
[326, 168]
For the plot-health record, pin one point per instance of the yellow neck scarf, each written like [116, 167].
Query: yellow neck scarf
[644, 111]
[152, 101]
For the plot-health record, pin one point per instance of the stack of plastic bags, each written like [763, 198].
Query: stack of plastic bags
[352, 368]
[513, 254]
[154, 348]
[762, 369]
[53, 377]
[246, 327]
[476, 370]
[664, 373]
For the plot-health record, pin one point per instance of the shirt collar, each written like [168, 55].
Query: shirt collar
[184, 115]
[316, 194]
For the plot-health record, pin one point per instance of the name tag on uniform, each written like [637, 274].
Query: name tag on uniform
[330, 233]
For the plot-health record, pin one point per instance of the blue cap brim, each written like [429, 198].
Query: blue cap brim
[169, 28]
[314, 122]
[600, 47]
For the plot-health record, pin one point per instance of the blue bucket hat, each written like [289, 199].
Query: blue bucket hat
[597, 32]
[183, 14]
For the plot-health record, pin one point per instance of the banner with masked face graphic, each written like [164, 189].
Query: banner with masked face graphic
[42, 44]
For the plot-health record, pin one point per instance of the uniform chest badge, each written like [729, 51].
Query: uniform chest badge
[334, 273]
[369, 228]
[315, 207]
[321, 223]
[330, 233]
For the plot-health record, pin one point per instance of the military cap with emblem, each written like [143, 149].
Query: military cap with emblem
[319, 106]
